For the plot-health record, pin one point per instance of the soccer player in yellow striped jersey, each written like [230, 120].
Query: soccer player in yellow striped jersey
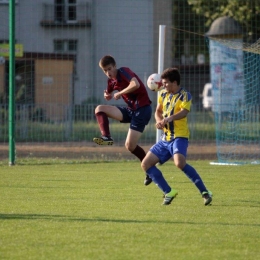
[173, 106]
[170, 104]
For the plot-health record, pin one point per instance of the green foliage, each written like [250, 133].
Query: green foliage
[246, 12]
[2, 97]
[103, 211]
[190, 26]
[91, 100]
[86, 110]
[38, 131]
[3, 115]
[39, 115]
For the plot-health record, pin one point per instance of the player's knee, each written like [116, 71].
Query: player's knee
[147, 163]
[179, 164]
[99, 108]
[130, 147]
[179, 161]
[144, 165]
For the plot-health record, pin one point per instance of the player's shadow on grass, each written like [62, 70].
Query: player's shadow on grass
[80, 219]
[247, 203]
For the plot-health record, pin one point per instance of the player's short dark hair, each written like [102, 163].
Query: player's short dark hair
[107, 60]
[172, 74]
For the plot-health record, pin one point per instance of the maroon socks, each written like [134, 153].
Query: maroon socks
[139, 152]
[103, 122]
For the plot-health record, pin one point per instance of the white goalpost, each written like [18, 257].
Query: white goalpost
[162, 29]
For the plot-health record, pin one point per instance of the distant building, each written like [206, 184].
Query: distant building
[79, 33]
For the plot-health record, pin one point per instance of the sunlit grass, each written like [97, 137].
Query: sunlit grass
[100, 210]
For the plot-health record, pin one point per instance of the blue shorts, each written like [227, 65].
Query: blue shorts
[165, 150]
[138, 118]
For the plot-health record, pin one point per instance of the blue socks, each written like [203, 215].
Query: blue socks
[156, 175]
[194, 177]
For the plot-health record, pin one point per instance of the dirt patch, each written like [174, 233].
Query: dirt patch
[90, 151]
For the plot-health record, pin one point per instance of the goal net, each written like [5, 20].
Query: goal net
[57, 82]
[235, 78]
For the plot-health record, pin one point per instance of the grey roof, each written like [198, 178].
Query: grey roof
[224, 26]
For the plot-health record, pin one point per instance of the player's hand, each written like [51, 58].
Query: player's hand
[117, 95]
[107, 96]
[160, 124]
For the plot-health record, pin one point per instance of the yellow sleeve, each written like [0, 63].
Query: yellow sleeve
[160, 99]
[186, 103]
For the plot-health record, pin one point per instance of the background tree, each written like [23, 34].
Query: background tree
[188, 31]
[246, 12]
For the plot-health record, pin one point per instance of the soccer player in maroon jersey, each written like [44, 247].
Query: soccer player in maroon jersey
[127, 85]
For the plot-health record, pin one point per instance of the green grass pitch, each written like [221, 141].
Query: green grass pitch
[102, 211]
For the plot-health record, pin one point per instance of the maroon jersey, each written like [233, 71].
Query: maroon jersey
[135, 99]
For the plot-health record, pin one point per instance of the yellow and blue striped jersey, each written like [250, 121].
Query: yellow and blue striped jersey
[172, 104]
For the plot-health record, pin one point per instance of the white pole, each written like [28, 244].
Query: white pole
[160, 64]
[161, 48]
